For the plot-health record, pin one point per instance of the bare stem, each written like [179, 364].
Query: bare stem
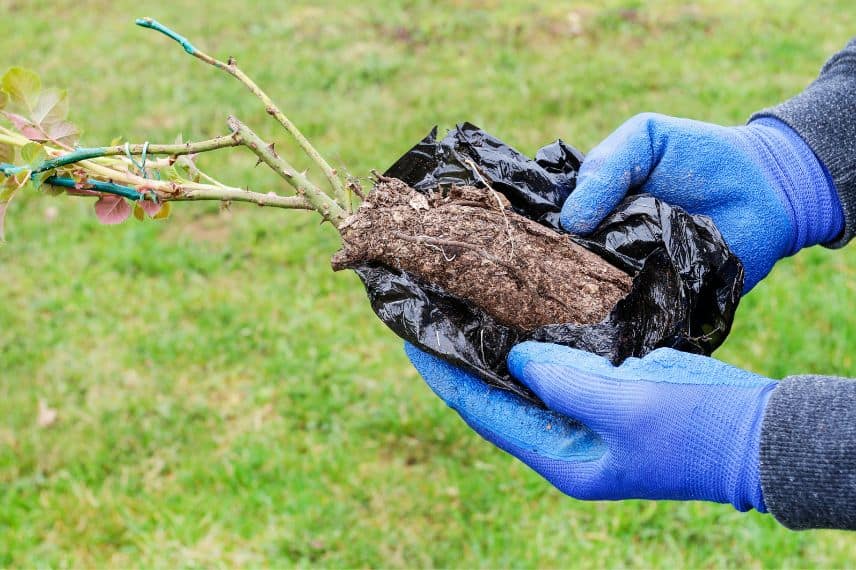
[232, 69]
[173, 191]
[238, 195]
[223, 141]
[320, 201]
[105, 170]
[81, 154]
[185, 193]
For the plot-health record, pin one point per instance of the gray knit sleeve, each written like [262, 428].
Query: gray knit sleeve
[825, 117]
[808, 453]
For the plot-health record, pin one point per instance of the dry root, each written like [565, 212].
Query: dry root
[469, 242]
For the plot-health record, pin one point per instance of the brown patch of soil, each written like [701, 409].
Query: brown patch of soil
[470, 243]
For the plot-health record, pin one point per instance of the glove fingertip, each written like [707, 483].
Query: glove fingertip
[579, 214]
[519, 357]
[565, 379]
[526, 353]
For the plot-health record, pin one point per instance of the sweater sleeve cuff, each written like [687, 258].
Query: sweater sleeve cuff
[808, 453]
[824, 115]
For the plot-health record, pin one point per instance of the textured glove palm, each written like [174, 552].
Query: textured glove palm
[668, 426]
[761, 184]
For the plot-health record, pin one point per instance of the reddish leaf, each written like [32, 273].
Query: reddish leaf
[51, 107]
[112, 209]
[63, 132]
[25, 127]
[149, 207]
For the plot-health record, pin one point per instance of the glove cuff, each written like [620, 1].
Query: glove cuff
[802, 182]
[751, 494]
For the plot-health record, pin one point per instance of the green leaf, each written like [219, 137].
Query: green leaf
[51, 107]
[33, 154]
[4, 99]
[38, 180]
[139, 213]
[23, 87]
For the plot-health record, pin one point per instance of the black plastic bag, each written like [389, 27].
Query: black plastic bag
[686, 282]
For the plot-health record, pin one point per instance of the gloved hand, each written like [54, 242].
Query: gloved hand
[670, 425]
[761, 184]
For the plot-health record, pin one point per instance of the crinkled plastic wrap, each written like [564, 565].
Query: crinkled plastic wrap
[686, 282]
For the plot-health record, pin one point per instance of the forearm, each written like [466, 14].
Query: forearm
[808, 453]
[825, 117]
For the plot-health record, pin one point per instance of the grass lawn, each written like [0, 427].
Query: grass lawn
[224, 399]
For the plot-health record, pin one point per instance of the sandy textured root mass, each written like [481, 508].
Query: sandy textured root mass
[471, 244]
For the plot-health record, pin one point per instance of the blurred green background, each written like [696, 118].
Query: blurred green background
[223, 398]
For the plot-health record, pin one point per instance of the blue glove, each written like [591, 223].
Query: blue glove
[670, 425]
[761, 184]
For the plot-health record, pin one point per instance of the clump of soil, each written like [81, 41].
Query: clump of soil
[468, 241]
